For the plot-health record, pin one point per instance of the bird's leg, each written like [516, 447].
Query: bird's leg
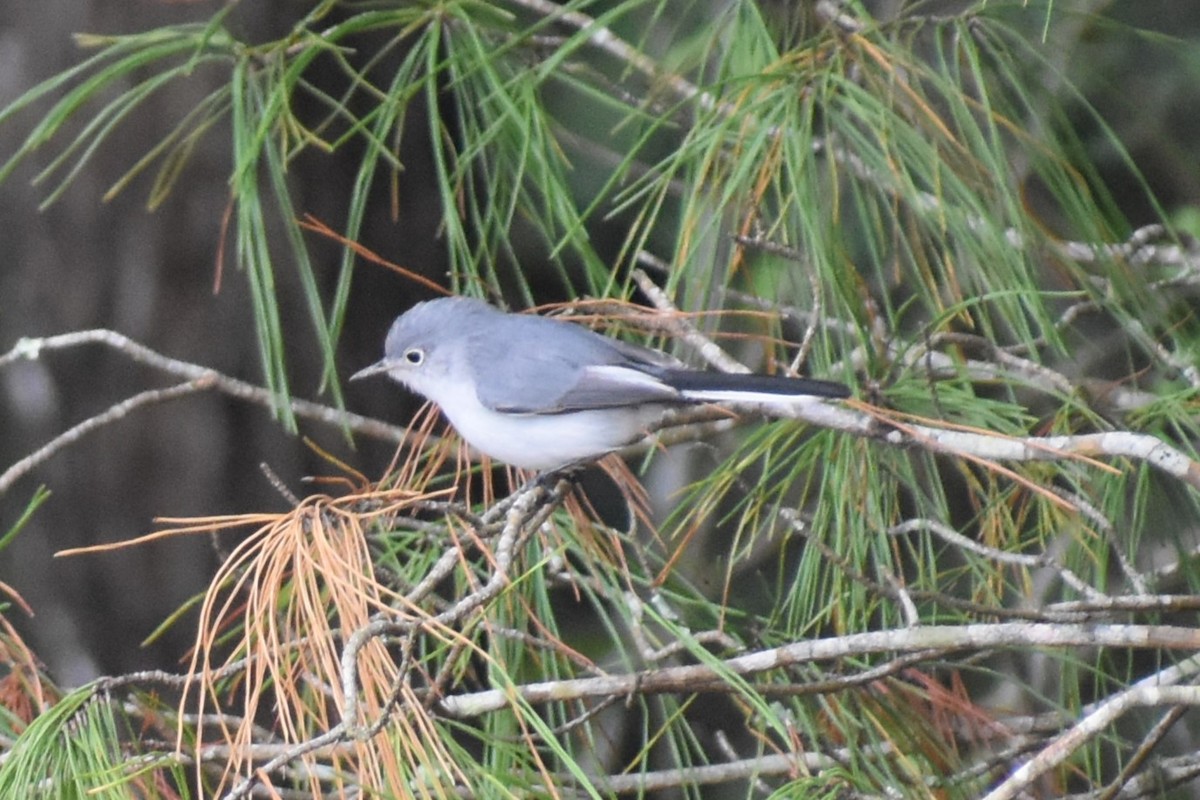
[560, 482]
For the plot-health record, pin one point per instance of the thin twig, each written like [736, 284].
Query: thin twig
[605, 40]
[1109, 712]
[112, 414]
[1105, 526]
[31, 349]
[1149, 742]
[955, 538]
[708, 350]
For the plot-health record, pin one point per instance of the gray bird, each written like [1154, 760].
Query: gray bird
[542, 394]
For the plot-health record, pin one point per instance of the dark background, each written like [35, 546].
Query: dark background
[84, 263]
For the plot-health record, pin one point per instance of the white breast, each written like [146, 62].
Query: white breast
[546, 441]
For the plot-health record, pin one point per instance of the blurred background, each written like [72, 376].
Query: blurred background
[85, 263]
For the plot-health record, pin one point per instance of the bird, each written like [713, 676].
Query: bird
[545, 394]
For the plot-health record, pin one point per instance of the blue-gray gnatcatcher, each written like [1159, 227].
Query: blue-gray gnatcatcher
[541, 393]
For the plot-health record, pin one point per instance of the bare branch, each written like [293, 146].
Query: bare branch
[709, 350]
[1151, 741]
[112, 414]
[955, 538]
[994, 447]
[31, 349]
[1109, 712]
[945, 639]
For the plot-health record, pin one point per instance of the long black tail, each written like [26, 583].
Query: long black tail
[689, 381]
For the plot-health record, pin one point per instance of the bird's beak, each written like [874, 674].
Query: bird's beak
[382, 365]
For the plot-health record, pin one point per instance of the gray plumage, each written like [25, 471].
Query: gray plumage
[542, 393]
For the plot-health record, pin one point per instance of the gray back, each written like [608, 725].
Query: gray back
[528, 364]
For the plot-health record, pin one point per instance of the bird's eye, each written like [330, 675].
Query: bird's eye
[414, 356]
